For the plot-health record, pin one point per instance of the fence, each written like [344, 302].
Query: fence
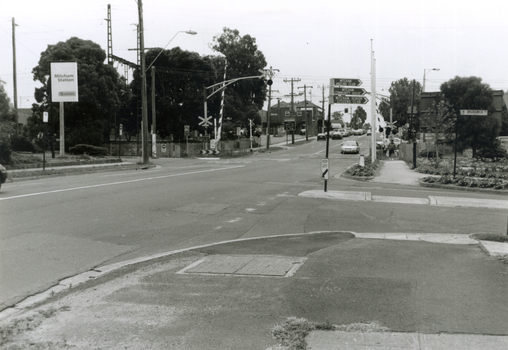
[167, 149]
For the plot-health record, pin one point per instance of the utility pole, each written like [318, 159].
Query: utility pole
[323, 88]
[292, 111]
[110, 37]
[14, 74]
[269, 74]
[373, 144]
[144, 107]
[305, 107]
[154, 116]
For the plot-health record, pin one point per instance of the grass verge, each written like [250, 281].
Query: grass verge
[291, 334]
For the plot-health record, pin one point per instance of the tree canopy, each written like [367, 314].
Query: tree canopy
[359, 117]
[470, 93]
[244, 98]
[5, 103]
[401, 97]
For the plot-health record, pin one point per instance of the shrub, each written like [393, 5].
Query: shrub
[5, 153]
[20, 144]
[368, 170]
[89, 149]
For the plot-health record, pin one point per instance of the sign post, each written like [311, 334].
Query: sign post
[343, 91]
[186, 131]
[474, 112]
[64, 88]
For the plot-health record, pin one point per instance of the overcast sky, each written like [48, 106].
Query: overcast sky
[310, 40]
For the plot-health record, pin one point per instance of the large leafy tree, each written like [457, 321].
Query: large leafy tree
[244, 98]
[403, 93]
[439, 121]
[359, 117]
[7, 125]
[89, 120]
[477, 132]
[5, 104]
[180, 79]
[338, 117]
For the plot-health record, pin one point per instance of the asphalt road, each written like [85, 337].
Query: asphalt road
[56, 227]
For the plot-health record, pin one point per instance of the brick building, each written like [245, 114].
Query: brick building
[280, 112]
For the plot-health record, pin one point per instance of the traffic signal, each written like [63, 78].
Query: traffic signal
[269, 82]
[388, 130]
[345, 110]
[380, 129]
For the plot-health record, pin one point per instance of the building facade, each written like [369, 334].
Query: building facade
[304, 115]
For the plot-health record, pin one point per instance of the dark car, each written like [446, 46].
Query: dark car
[3, 175]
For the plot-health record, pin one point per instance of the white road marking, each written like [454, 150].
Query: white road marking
[120, 182]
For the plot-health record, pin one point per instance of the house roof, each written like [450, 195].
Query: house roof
[297, 104]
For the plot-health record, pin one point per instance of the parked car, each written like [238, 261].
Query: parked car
[369, 132]
[321, 136]
[3, 175]
[336, 135]
[350, 147]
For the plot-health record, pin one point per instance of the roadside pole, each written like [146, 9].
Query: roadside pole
[325, 175]
[413, 124]
[120, 131]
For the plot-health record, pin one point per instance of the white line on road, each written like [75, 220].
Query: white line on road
[120, 182]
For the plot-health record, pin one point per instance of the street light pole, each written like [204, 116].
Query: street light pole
[424, 73]
[305, 107]
[143, 70]
[144, 109]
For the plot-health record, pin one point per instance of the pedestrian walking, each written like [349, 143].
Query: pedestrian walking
[391, 149]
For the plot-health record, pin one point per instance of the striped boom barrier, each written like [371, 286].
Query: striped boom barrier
[219, 129]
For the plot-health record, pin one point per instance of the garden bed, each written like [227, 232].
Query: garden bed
[366, 172]
[469, 173]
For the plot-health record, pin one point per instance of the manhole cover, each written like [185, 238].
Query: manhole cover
[246, 265]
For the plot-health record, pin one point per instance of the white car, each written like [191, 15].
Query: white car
[350, 147]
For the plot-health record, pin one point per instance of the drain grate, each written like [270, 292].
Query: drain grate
[246, 265]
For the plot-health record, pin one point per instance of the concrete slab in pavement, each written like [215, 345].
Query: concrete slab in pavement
[431, 200]
[339, 340]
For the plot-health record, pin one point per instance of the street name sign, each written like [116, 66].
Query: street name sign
[345, 82]
[349, 91]
[480, 112]
[350, 99]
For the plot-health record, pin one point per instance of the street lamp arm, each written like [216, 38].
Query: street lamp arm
[221, 86]
[191, 32]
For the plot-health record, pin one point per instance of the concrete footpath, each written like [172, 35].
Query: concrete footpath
[420, 291]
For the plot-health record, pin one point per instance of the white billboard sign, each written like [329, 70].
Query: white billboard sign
[64, 82]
